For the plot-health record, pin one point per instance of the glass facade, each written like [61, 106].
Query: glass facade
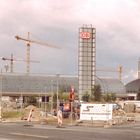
[86, 59]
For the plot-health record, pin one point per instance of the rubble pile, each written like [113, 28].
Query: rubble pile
[118, 112]
[118, 116]
[130, 107]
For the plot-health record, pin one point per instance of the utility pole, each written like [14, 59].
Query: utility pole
[52, 96]
[57, 76]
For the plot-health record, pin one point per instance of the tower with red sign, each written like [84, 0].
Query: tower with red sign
[86, 59]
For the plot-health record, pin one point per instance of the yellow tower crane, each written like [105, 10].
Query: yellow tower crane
[28, 44]
[119, 70]
[12, 59]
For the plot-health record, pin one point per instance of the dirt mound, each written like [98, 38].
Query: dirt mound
[31, 107]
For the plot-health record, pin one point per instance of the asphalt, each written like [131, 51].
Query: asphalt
[19, 130]
[73, 125]
[85, 127]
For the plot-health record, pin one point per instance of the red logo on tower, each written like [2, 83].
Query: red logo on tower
[85, 35]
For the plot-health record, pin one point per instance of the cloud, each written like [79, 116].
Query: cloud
[132, 74]
[57, 22]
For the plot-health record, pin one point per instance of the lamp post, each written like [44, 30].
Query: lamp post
[45, 100]
[57, 90]
[21, 95]
[52, 96]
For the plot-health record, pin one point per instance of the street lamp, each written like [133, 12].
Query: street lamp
[45, 100]
[52, 96]
[57, 90]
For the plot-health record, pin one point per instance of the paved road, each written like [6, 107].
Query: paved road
[17, 131]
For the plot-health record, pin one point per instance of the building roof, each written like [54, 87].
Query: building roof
[13, 84]
[16, 84]
[111, 85]
[133, 86]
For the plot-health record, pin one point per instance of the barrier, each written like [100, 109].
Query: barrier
[29, 119]
[59, 118]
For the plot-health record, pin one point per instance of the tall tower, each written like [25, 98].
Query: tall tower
[86, 59]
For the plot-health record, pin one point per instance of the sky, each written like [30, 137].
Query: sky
[57, 22]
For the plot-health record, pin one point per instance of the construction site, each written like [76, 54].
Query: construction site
[45, 94]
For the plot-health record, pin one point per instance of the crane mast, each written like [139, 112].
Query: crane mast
[11, 63]
[28, 56]
[119, 70]
[28, 45]
[12, 59]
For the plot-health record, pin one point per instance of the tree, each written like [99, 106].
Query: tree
[109, 97]
[113, 97]
[31, 100]
[86, 97]
[96, 92]
[54, 100]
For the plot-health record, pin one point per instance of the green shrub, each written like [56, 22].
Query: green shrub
[12, 114]
[86, 97]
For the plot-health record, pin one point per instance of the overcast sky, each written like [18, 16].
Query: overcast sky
[56, 22]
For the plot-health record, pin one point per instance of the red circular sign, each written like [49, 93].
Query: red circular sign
[85, 35]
